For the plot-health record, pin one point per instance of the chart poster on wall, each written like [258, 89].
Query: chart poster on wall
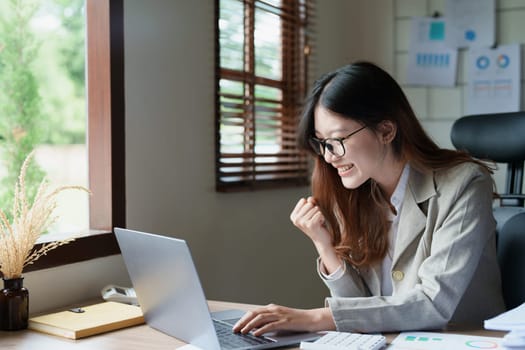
[470, 23]
[430, 61]
[494, 80]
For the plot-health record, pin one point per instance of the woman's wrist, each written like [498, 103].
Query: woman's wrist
[321, 320]
[329, 259]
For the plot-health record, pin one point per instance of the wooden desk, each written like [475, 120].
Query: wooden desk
[133, 338]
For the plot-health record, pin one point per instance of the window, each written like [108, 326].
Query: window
[261, 73]
[105, 80]
[42, 103]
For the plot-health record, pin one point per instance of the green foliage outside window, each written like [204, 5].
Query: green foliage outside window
[42, 93]
[20, 102]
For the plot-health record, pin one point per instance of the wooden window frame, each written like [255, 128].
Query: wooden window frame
[106, 146]
[288, 167]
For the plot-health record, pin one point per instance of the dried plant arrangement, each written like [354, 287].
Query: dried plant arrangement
[29, 222]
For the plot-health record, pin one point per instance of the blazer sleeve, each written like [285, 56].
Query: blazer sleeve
[461, 223]
[349, 284]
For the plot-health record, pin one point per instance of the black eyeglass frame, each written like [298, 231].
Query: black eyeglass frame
[315, 142]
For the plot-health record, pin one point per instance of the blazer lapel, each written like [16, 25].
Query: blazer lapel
[412, 221]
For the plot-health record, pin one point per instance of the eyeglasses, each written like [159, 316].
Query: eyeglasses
[334, 145]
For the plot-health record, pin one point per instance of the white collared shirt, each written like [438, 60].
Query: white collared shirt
[397, 202]
[386, 266]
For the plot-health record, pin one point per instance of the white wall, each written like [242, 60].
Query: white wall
[350, 30]
[57, 287]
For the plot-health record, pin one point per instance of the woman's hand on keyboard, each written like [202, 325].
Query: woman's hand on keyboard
[280, 318]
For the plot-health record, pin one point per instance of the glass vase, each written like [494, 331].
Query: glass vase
[14, 305]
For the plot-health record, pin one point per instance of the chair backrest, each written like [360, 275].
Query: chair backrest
[501, 138]
[511, 258]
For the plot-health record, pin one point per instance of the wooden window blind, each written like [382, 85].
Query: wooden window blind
[261, 74]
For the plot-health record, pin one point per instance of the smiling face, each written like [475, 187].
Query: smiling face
[367, 155]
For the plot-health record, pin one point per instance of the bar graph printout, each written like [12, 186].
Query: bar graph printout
[430, 61]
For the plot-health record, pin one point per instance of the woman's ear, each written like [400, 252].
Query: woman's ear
[387, 131]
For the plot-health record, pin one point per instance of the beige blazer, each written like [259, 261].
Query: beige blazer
[444, 264]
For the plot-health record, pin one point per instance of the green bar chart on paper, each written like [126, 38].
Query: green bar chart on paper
[440, 341]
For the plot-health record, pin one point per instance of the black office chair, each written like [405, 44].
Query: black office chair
[501, 138]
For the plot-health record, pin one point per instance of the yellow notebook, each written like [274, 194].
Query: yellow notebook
[94, 319]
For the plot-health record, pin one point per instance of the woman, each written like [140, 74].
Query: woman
[403, 228]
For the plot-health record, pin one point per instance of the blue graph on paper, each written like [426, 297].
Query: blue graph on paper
[436, 60]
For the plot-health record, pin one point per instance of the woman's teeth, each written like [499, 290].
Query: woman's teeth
[344, 169]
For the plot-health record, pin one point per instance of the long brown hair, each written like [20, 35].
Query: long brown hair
[357, 218]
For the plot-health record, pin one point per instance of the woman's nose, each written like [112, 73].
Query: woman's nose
[329, 157]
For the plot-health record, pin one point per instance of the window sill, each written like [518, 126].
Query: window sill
[90, 245]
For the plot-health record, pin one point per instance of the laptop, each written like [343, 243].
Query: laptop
[172, 299]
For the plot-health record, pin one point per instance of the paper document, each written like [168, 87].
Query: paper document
[441, 341]
[511, 320]
[189, 347]
[430, 61]
[470, 23]
[494, 84]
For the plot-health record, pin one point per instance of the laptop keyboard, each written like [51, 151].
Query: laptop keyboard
[230, 340]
